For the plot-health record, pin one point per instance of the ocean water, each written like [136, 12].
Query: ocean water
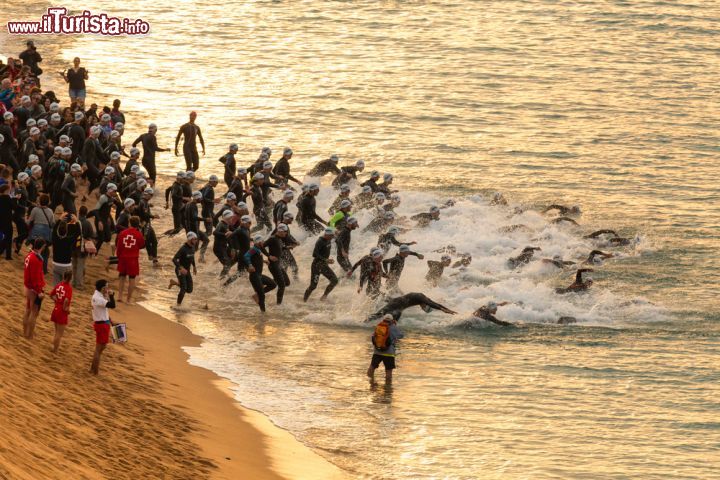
[608, 105]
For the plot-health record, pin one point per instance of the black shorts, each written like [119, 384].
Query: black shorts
[386, 360]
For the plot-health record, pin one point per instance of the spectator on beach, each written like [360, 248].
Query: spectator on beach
[129, 242]
[62, 295]
[7, 93]
[31, 58]
[65, 236]
[115, 114]
[34, 281]
[102, 299]
[81, 252]
[76, 77]
[6, 221]
[41, 221]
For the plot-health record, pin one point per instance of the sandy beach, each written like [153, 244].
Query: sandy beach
[149, 414]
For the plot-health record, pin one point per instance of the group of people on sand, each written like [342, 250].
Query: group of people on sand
[46, 157]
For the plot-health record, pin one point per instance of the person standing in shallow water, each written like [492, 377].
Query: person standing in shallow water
[190, 132]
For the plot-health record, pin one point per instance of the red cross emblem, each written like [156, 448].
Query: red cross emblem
[60, 292]
[27, 260]
[129, 241]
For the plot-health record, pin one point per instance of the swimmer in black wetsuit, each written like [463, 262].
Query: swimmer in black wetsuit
[190, 132]
[564, 219]
[282, 167]
[230, 164]
[325, 167]
[488, 312]
[396, 306]
[593, 258]
[372, 181]
[348, 173]
[436, 269]
[342, 242]
[309, 219]
[523, 258]
[150, 147]
[600, 233]
[498, 199]
[425, 218]
[557, 261]
[563, 210]
[394, 266]
[389, 238]
[579, 285]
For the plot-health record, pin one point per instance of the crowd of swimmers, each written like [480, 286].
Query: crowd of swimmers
[46, 155]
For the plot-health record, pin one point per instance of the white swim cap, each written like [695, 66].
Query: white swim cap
[134, 151]
[109, 170]
[64, 138]
[404, 248]
[213, 178]
[141, 183]
[227, 214]
[179, 174]
[380, 196]
[105, 118]
[96, 130]
[119, 126]
[34, 131]
[283, 228]
[376, 252]
[287, 151]
[242, 206]
[22, 176]
[32, 158]
[67, 151]
[313, 186]
[491, 305]
[387, 177]
[115, 156]
[55, 117]
[129, 202]
[189, 174]
[196, 194]
[242, 171]
[445, 258]
[360, 164]
[231, 196]
[288, 194]
[36, 169]
[288, 216]
[345, 204]
[114, 134]
[366, 189]
[111, 187]
[389, 216]
[394, 230]
[305, 187]
[352, 221]
[24, 99]
[434, 209]
[233, 146]
[191, 236]
[334, 158]
[258, 238]
[8, 115]
[79, 116]
[54, 107]
[42, 122]
[267, 151]
[267, 164]
[149, 191]
[345, 188]
[246, 219]
[375, 174]
[152, 126]
[56, 151]
[75, 167]
[258, 176]
[329, 231]
[30, 122]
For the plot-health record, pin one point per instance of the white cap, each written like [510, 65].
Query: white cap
[96, 130]
[8, 115]
[245, 219]
[242, 206]
[394, 230]
[22, 176]
[267, 164]
[57, 150]
[360, 164]
[288, 216]
[64, 138]
[32, 158]
[404, 248]
[42, 122]
[55, 117]
[242, 171]
[135, 169]
[258, 238]
[557, 258]
[141, 183]
[67, 151]
[213, 178]
[75, 167]
[152, 126]
[288, 194]
[387, 177]
[283, 228]
[115, 156]
[267, 151]
[30, 122]
[109, 170]
[105, 118]
[189, 174]
[114, 134]
[230, 196]
[34, 131]
[434, 209]
[227, 214]
[54, 107]
[389, 216]
[366, 189]
[352, 221]
[129, 202]
[376, 252]
[345, 204]
[258, 176]
[111, 187]
[196, 194]
[491, 305]
[344, 188]
[380, 196]
[287, 151]
[313, 186]
[191, 236]
[119, 126]
[305, 187]
[79, 115]
[149, 191]
[445, 258]
[24, 99]
[36, 169]
[334, 158]
[233, 146]
[395, 197]
[142, 174]
[329, 231]
[374, 174]
[134, 151]
[179, 174]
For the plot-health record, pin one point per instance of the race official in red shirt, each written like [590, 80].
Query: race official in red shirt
[128, 244]
[34, 286]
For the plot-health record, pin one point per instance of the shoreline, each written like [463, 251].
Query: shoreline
[148, 413]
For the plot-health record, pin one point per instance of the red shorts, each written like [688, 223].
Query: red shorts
[59, 316]
[102, 333]
[128, 266]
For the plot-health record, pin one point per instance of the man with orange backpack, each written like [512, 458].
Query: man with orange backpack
[384, 341]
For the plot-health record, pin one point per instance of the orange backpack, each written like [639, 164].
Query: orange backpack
[381, 337]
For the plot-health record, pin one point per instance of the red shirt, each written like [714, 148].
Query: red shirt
[34, 277]
[129, 242]
[62, 291]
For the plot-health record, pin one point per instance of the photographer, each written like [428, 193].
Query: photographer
[31, 58]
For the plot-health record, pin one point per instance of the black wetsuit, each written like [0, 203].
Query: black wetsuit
[260, 283]
[220, 246]
[346, 174]
[395, 306]
[435, 271]
[282, 169]
[424, 219]
[7, 148]
[342, 242]
[288, 259]
[150, 147]
[68, 190]
[578, 285]
[279, 211]
[320, 266]
[192, 224]
[145, 215]
[275, 248]
[372, 183]
[185, 258]
[208, 205]
[393, 268]
[230, 167]
[323, 168]
[484, 313]
[77, 139]
[523, 258]
[190, 131]
[176, 194]
[92, 157]
[240, 242]
[261, 217]
[370, 272]
[308, 218]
